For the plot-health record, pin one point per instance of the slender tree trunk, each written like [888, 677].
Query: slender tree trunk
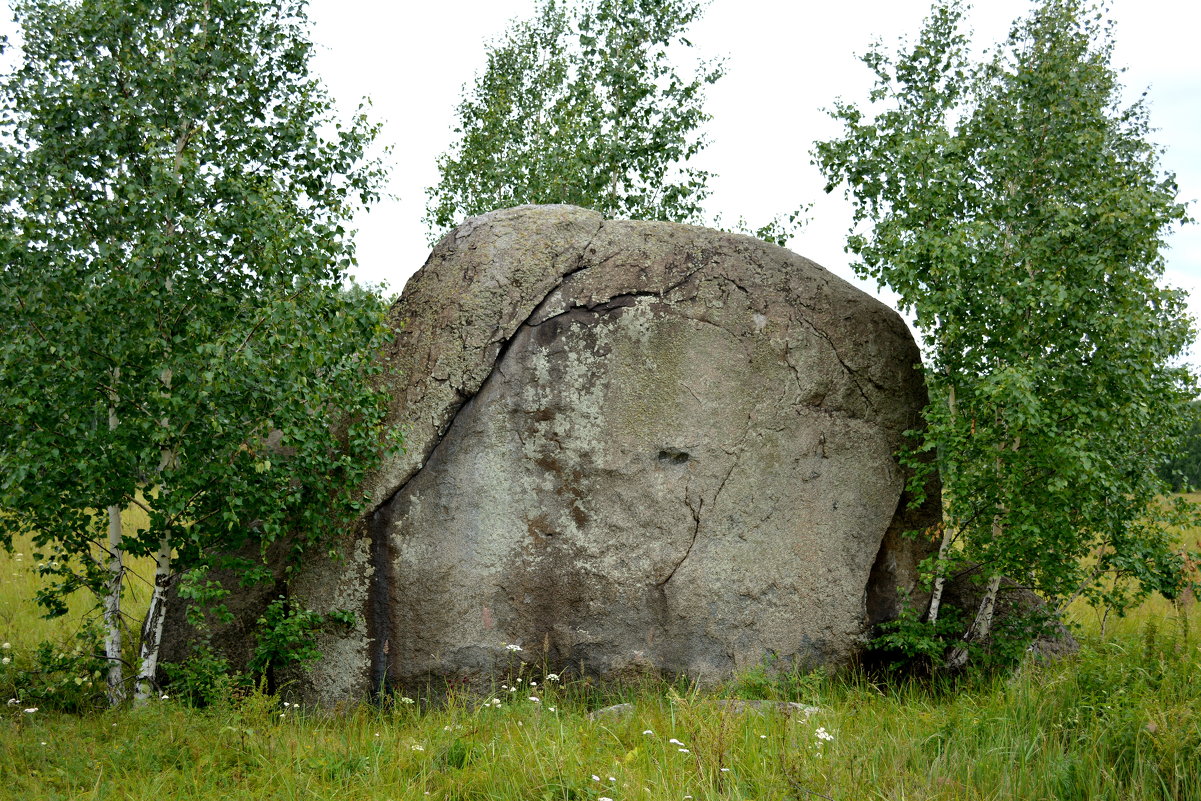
[981, 626]
[948, 532]
[940, 574]
[112, 610]
[152, 626]
[112, 594]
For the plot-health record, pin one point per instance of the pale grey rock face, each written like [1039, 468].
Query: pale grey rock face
[631, 447]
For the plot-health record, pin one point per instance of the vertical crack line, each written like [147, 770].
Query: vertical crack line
[696, 530]
[853, 374]
[380, 620]
[737, 454]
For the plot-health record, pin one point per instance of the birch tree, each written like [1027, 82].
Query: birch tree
[582, 104]
[1019, 210]
[175, 332]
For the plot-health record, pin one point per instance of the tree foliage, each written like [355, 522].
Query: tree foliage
[175, 333]
[581, 104]
[1183, 470]
[1018, 209]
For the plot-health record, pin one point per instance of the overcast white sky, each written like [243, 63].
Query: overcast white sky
[786, 61]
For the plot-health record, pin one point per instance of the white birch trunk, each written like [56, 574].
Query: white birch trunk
[152, 627]
[112, 593]
[948, 531]
[112, 610]
[980, 627]
[940, 575]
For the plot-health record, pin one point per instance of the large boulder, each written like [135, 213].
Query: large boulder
[631, 446]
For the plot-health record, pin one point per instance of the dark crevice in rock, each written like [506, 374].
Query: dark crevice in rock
[615, 303]
[379, 603]
[667, 290]
[674, 456]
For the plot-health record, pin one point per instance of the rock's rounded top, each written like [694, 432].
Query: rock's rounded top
[500, 270]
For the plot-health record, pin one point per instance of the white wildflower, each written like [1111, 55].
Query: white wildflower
[647, 731]
[534, 698]
[673, 740]
[31, 710]
[513, 646]
[822, 734]
[683, 750]
[404, 699]
[5, 661]
[552, 676]
[6, 646]
[416, 747]
[595, 778]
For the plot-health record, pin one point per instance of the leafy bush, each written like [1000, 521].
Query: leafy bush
[206, 678]
[65, 675]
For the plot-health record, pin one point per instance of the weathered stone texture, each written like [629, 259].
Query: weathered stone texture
[631, 447]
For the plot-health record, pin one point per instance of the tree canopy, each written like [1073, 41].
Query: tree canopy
[581, 104]
[1018, 208]
[175, 329]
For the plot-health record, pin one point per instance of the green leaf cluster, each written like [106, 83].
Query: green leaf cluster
[581, 104]
[176, 331]
[1183, 470]
[1018, 209]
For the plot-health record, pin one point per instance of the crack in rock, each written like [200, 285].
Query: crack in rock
[852, 373]
[696, 530]
[462, 397]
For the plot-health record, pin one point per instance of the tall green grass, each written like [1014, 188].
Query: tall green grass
[1122, 720]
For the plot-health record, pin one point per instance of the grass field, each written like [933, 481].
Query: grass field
[1122, 720]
